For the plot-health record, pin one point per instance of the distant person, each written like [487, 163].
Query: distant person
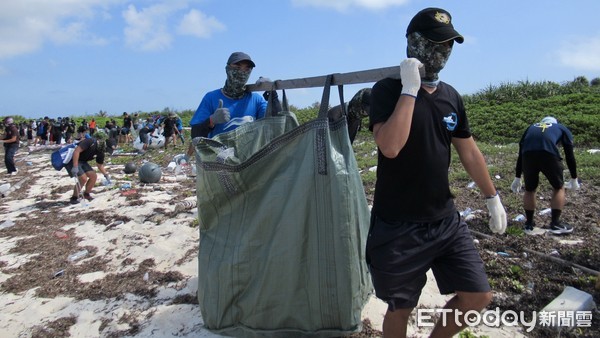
[10, 140]
[87, 150]
[169, 129]
[42, 132]
[538, 153]
[126, 129]
[356, 109]
[415, 227]
[92, 127]
[226, 108]
[31, 126]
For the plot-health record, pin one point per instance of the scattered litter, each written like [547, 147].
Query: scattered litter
[471, 185]
[7, 224]
[77, 255]
[146, 276]
[519, 218]
[184, 205]
[129, 192]
[373, 169]
[554, 252]
[497, 177]
[475, 241]
[59, 273]
[126, 186]
[593, 151]
[113, 224]
[28, 163]
[61, 234]
[545, 212]
[503, 254]
[4, 189]
[466, 212]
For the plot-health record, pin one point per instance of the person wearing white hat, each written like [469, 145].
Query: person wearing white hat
[538, 153]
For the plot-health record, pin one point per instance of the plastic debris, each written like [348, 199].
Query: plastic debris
[7, 224]
[146, 276]
[59, 273]
[545, 212]
[466, 212]
[61, 234]
[503, 254]
[519, 218]
[78, 255]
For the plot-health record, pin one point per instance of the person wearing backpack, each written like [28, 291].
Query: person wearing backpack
[87, 150]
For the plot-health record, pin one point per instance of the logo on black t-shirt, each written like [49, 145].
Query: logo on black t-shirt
[451, 120]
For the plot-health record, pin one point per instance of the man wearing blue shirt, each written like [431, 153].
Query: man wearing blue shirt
[538, 153]
[225, 109]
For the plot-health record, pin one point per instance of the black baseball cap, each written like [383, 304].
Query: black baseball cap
[435, 24]
[240, 56]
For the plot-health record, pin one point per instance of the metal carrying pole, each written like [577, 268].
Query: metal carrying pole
[363, 76]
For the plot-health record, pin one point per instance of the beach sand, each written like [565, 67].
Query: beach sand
[140, 275]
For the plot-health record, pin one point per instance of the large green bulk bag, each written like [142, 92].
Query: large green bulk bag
[283, 225]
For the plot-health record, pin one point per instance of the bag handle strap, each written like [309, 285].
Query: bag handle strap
[271, 101]
[324, 108]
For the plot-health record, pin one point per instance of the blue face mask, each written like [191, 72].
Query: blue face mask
[432, 55]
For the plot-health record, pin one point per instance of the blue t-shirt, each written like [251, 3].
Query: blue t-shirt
[546, 137]
[249, 108]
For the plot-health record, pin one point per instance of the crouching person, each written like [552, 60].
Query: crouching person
[86, 150]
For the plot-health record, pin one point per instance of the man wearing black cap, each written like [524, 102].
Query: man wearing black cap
[415, 225]
[227, 108]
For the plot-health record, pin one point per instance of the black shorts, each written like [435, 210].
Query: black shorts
[536, 162]
[84, 167]
[399, 256]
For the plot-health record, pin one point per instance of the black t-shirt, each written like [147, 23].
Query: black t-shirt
[89, 150]
[414, 186]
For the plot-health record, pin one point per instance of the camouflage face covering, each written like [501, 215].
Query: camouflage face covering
[235, 85]
[358, 107]
[432, 55]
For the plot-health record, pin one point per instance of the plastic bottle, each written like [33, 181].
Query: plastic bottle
[519, 218]
[466, 212]
[545, 211]
[78, 255]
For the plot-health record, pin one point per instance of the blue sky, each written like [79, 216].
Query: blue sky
[77, 57]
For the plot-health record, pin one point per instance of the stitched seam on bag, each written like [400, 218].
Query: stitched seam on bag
[321, 151]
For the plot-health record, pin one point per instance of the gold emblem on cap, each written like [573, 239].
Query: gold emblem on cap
[442, 17]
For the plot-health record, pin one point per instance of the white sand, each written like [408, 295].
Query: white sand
[139, 239]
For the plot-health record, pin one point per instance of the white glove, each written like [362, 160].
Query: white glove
[497, 214]
[221, 115]
[409, 74]
[74, 171]
[573, 184]
[516, 185]
[107, 177]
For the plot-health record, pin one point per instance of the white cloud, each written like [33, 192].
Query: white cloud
[198, 24]
[581, 53]
[25, 25]
[342, 5]
[147, 29]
